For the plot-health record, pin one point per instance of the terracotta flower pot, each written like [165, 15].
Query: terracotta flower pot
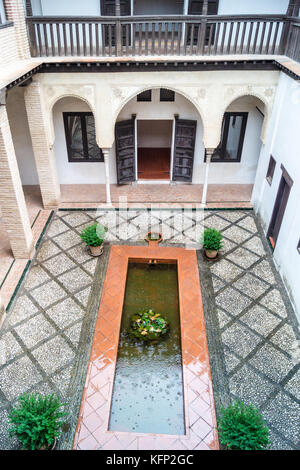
[154, 240]
[211, 254]
[96, 250]
[52, 447]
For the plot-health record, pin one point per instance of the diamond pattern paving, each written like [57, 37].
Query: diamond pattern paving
[46, 338]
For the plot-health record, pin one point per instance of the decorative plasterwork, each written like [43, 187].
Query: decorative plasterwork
[55, 92]
[264, 92]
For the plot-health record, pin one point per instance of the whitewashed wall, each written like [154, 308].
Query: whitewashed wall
[71, 172]
[144, 7]
[154, 134]
[245, 171]
[252, 7]
[283, 142]
[21, 136]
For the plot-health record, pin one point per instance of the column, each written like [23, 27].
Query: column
[43, 152]
[106, 153]
[209, 153]
[13, 208]
[15, 12]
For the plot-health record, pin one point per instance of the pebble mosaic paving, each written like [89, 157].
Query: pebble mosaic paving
[253, 334]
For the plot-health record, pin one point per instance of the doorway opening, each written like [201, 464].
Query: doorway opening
[154, 144]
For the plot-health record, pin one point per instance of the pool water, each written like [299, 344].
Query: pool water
[148, 386]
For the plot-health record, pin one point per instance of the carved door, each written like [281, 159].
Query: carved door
[184, 147]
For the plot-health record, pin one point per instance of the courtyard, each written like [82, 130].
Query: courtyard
[251, 329]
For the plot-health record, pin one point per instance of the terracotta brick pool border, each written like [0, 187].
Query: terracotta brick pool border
[200, 419]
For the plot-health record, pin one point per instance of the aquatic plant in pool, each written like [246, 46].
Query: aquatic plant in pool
[148, 325]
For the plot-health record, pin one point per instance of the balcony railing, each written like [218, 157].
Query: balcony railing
[163, 36]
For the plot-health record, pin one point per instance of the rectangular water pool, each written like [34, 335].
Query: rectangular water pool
[148, 386]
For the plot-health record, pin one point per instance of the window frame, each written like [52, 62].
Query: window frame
[82, 116]
[139, 97]
[223, 144]
[271, 170]
[164, 100]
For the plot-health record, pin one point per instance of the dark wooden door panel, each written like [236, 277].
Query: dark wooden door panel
[279, 207]
[108, 7]
[184, 147]
[125, 150]
[196, 7]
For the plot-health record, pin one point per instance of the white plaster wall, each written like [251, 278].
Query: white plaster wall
[255, 7]
[154, 134]
[92, 7]
[71, 172]
[243, 172]
[283, 142]
[21, 137]
[67, 7]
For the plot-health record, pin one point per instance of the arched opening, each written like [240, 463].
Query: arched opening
[234, 162]
[79, 159]
[158, 139]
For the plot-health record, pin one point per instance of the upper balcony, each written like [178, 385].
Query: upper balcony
[131, 35]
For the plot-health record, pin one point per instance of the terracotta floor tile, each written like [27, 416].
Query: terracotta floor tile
[201, 428]
[89, 443]
[96, 401]
[93, 422]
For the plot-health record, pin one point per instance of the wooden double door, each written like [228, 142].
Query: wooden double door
[183, 150]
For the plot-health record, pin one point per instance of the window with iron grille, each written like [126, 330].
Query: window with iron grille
[145, 96]
[167, 95]
[81, 138]
[271, 169]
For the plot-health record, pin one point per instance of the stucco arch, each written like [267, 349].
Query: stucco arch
[234, 96]
[58, 98]
[141, 89]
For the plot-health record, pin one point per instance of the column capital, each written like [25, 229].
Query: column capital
[209, 153]
[106, 151]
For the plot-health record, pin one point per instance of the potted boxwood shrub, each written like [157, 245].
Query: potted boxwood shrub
[241, 427]
[212, 242]
[36, 420]
[94, 236]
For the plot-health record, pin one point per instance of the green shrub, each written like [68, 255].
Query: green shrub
[212, 239]
[94, 235]
[37, 420]
[241, 427]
